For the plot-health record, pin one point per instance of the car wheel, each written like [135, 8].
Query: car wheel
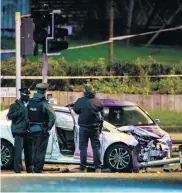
[118, 158]
[6, 155]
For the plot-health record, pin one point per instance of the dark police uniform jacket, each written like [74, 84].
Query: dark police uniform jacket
[19, 115]
[40, 113]
[88, 107]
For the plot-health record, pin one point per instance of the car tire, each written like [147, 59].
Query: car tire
[119, 158]
[6, 155]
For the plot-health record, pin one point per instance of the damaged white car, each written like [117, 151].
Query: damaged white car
[121, 148]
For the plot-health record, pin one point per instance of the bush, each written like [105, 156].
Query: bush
[88, 68]
[142, 84]
[170, 85]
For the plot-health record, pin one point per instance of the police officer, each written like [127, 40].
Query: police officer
[19, 128]
[42, 118]
[90, 121]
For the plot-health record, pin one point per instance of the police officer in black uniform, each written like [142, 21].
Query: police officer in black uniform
[90, 121]
[42, 117]
[19, 115]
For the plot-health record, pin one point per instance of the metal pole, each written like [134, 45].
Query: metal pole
[18, 53]
[159, 162]
[180, 155]
[45, 68]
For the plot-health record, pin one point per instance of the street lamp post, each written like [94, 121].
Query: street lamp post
[18, 53]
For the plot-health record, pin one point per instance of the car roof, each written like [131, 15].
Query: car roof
[59, 108]
[113, 102]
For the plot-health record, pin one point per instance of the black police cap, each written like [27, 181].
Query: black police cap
[24, 90]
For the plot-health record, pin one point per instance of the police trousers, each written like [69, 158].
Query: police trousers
[84, 135]
[39, 147]
[22, 141]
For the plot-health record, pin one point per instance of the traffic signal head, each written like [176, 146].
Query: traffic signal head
[60, 32]
[60, 19]
[49, 30]
[41, 19]
[40, 35]
[55, 46]
[27, 43]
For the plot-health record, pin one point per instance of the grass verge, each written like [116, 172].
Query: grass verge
[162, 54]
[169, 120]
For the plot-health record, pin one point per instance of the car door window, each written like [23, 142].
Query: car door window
[64, 120]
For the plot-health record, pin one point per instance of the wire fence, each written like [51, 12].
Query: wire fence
[87, 77]
[37, 78]
[113, 39]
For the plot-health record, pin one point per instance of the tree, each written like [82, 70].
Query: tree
[129, 18]
[111, 29]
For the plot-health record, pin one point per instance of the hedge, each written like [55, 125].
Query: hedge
[143, 84]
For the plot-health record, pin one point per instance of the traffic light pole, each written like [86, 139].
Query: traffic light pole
[45, 68]
[49, 34]
[18, 53]
[45, 55]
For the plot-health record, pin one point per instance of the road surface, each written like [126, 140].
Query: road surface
[92, 182]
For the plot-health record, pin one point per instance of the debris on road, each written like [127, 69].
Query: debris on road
[51, 169]
[76, 170]
[171, 168]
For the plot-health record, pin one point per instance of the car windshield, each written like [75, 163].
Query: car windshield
[127, 115]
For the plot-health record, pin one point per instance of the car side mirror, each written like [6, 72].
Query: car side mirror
[157, 121]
